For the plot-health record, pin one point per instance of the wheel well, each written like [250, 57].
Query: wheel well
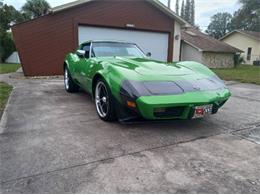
[64, 65]
[94, 81]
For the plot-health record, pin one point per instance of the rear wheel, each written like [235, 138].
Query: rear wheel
[104, 101]
[70, 85]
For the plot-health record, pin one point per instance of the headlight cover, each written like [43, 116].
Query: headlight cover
[135, 89]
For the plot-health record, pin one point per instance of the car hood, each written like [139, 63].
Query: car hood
[148, 67]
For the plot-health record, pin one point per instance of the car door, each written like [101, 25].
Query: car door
[84, 67]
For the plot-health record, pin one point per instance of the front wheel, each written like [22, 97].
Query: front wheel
[70, 85]
[104, 101]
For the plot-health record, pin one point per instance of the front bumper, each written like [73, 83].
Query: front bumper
[179, 106]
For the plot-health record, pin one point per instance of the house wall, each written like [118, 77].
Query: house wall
[43, 42]
[218, 60]
[177, 43]
[243, 42]
[189, 53]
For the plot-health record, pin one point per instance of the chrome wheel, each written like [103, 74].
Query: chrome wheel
[66, 78]
[70, 85]
[102, 99]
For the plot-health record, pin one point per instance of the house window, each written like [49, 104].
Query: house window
[249, 52]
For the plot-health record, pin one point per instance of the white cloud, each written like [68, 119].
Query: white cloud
[204, 8]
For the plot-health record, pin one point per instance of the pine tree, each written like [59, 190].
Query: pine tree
[187, 11]
[182, 9]
[177, 7]
[192, 14]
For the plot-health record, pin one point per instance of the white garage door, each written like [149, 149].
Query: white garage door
[156, 43]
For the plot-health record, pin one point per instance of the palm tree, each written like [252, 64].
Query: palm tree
[177, 7]
[36, 8]
[182, 9]
[169, 4]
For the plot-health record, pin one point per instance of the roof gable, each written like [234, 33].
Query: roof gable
[251, 34]
[155, 3]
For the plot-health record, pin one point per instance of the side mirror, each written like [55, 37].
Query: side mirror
[81, 53]
[149, 54]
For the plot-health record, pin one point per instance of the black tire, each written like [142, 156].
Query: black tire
[70, 85]
[111, 113]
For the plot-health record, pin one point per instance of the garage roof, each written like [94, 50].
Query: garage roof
[156, 3]
[204, 42]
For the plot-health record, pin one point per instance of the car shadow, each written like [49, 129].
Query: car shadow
[139, 122]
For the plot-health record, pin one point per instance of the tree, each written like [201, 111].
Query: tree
[182, 9]
[169, 4]
[219, 25]
[247, 17]
[9, 15]
[177, 7]
[187, 11]
[7, 46]
[192, 14]
[35, 8]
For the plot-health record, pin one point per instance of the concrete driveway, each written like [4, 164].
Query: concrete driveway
[53, 142]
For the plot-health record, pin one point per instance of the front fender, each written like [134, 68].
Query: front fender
[195, 66]
[112, 77]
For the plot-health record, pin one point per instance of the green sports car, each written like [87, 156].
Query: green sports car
[126, 84]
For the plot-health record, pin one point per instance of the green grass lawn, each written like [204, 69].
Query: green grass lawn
[7, 68]
[5, 91]
[243, 73]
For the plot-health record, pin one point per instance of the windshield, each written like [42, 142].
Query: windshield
[106, 49]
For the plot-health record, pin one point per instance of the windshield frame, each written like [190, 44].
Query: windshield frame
[135, 45]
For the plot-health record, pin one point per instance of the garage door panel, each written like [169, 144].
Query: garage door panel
[154, 42]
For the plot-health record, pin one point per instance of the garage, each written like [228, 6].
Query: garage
[154, 42]
[42, 43]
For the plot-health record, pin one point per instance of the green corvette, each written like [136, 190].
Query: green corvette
[125, 84]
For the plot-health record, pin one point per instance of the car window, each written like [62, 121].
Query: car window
[103, 49]
[86, 48]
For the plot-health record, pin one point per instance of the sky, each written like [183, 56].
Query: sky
[203, 11]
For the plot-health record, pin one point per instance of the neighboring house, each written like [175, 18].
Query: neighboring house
[42, 43]
[13, 58]
[199, 47]
[247, 41]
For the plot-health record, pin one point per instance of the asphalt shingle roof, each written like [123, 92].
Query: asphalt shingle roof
[252, 34]
[205, 42]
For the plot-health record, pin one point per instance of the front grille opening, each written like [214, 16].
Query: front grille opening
[169, 112]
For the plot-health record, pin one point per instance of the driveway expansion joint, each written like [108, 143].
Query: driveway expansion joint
[110, 158]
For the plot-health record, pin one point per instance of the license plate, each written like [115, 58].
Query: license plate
[202, 111]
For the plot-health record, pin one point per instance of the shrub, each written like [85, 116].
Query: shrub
[238, 59]
[7, 46]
